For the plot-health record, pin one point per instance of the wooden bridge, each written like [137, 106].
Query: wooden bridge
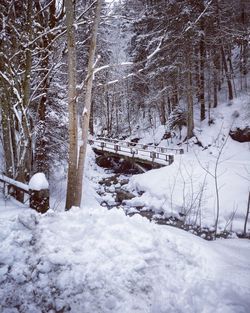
[155, 156]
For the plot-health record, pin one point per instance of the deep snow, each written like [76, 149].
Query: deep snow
[94, 260]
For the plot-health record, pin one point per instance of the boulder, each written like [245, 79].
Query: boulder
[241, 135]
[122, 195]
[104, 161]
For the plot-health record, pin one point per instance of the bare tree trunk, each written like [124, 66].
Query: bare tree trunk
[87, 106]
[72, 95]
[247, 214]
[229, 83]
[197, 72]
[202, 77]
[25, 156]
[116, 111]
[209, 89]
[190, 114]
[106, 95]
[244, 46]
[229, 58]
[6, 131]
[162, 107]
[128, 110]
[41, 158]
[91, 120]
[215, 88]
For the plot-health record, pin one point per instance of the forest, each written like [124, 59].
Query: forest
[124, 156]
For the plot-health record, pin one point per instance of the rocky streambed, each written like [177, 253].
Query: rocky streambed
[115, 193]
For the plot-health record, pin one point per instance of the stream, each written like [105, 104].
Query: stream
[114, 193]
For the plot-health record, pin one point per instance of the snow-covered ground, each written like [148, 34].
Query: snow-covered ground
[188, 185]
[95, 260]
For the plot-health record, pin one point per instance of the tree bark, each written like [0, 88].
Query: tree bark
[202, 76]
[162, 107]
[72, 96]
[41, 158]
[229, 83]
[6, 131]
[87, 107]
[190, 114]
[25, 156]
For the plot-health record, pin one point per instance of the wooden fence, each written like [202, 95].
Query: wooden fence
[38, 199]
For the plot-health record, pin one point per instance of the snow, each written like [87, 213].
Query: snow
[98, 260]
[38, 182]
[138, 152]
[94, 260]
[85, 111]
[186, 187]
[14, 182]
[91, 259]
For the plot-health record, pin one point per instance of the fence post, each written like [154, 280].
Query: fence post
[170, 159]
[102, 145]
[39, 200]
[116, 147]
[39, 193]
[153, 155]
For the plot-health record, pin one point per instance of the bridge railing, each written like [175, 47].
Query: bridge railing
[134, 151]
[143, 146]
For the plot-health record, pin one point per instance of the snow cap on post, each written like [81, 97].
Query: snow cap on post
[38, 182]
[39, 192]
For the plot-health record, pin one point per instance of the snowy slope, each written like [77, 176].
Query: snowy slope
[187, 187]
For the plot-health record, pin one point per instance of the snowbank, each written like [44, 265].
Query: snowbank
[94, 260]
[185, 187]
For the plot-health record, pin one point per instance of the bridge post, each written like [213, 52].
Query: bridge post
[153, 156]
[116, 148]
[170, 159]
[102, 145]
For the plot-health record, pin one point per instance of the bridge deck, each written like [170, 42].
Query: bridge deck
[137, 152]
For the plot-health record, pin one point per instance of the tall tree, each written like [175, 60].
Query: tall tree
[76, 162]
[72, 106]
[85, 118]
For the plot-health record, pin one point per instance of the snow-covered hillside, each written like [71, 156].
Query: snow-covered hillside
[188, 186]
